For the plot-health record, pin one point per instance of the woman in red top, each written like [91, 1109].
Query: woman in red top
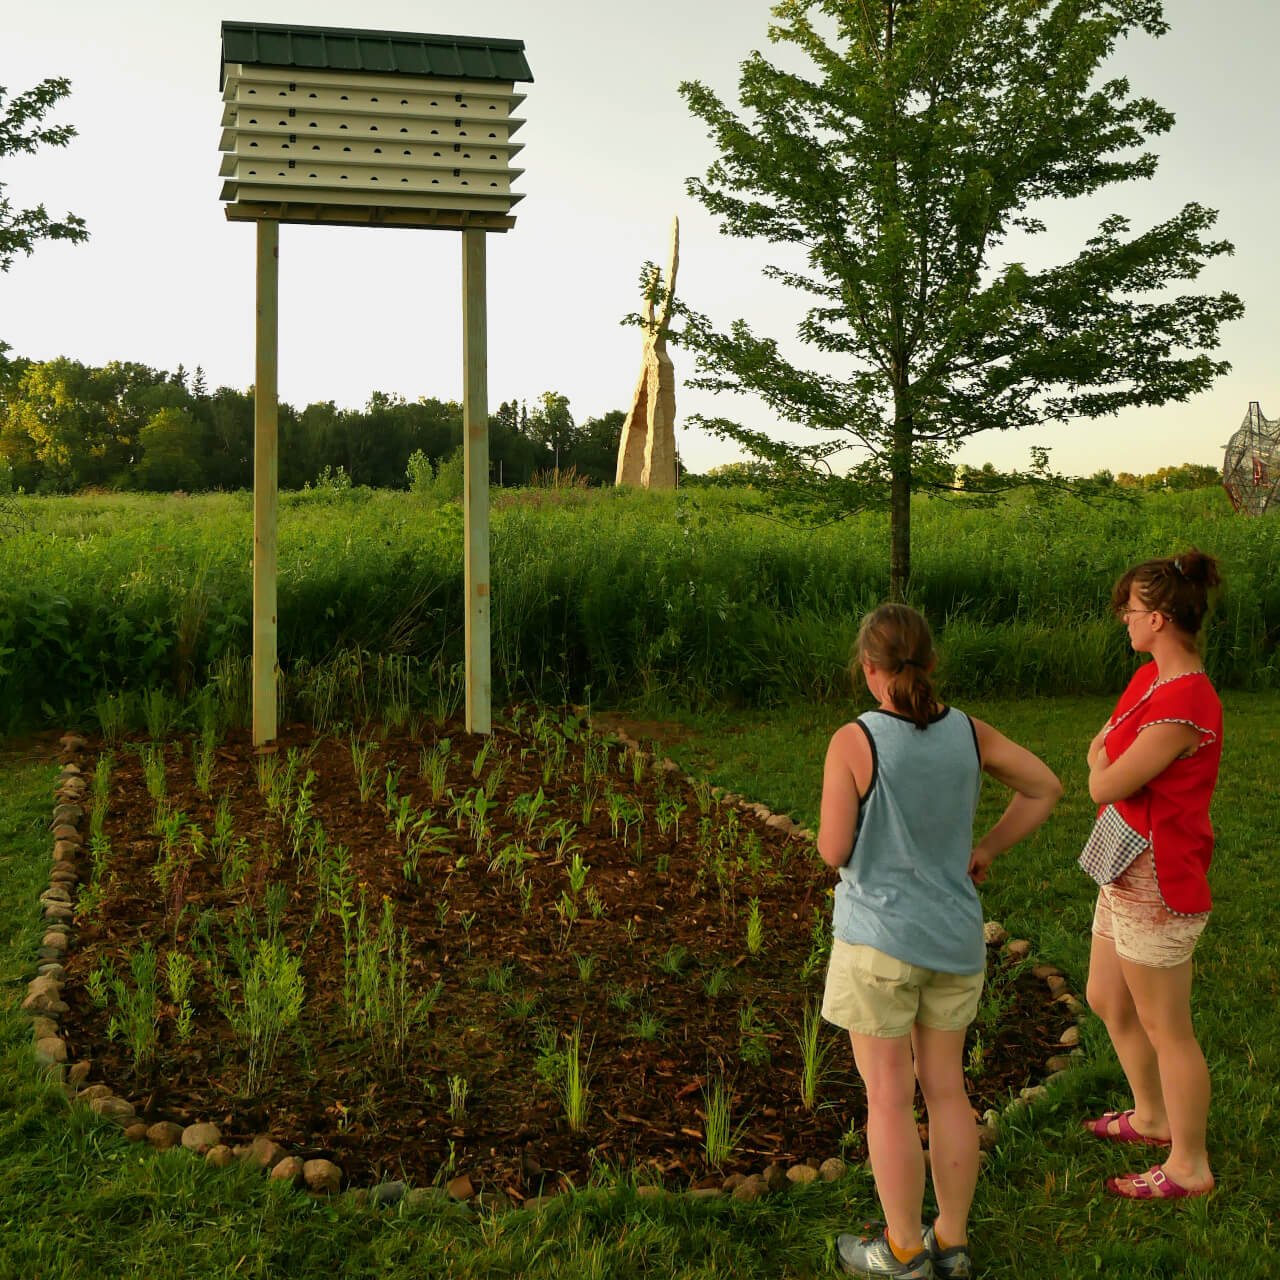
[1152, 769]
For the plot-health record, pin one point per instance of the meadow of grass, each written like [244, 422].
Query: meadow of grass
[80, 1202]
[607, 595]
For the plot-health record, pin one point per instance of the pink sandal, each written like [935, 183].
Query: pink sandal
[1100, 1128]
[1155, 1184]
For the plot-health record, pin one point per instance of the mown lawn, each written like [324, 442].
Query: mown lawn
[78, 1201]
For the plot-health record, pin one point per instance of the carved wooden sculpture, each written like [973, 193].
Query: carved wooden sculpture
[647, 452]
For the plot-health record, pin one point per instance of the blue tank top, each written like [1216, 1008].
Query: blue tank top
[906, 889]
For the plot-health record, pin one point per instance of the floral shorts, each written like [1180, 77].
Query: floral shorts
[1132, 914]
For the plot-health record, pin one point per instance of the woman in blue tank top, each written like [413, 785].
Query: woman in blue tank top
[900, 787]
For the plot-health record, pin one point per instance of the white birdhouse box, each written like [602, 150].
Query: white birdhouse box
[369, 127]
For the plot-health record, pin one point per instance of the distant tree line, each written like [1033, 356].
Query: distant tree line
[66, 426]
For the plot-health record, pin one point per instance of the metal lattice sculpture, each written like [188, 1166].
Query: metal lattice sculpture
[1251, 467]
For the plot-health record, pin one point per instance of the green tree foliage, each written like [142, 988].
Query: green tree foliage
[21, 130]
[65, 425]
[899, 175]
[1187, 475]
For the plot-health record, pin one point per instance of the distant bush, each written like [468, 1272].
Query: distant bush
[436, 484]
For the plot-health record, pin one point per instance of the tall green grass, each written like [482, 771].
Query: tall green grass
[609, 595]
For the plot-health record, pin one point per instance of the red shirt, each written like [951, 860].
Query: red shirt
[1172, 810]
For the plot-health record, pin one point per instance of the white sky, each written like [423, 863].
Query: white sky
[608, 144]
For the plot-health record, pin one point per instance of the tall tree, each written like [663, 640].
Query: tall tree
[21, 130]
[924, 137]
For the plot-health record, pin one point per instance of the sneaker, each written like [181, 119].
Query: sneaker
[870, 1257]
[953, 1263]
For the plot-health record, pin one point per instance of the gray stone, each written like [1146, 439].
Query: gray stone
[1043, 971]
[44, 954]
[43, 1026]
[164, 1134]
[645, 1192]
[1059, 1062]
[749, 1189]
[988, 1136]
[831, 1170]
[705, 1193]
[287, 1170]
[775, 1177]
[57, 911]
[52, 969]
[1070, 1037]
[200, 1137]
[780, 822]
[136, 1132]
[56, 893]
[1056, 983]
[72, 742]
[802, 1174]
[994, 933]
[389, 1193]
[220, 1156]
[494, 1202]
[424, 1197]
[733, 1182]
[262, 1152]
[65, 833]
[1018, 948]
[64, 874]
[54, 940]
[68, 813]
[93, 1092]
[1069, 1002]
[78, 1073]
[1033, 1093]
[50, 1051]
[116, 1109]
[322, 1176]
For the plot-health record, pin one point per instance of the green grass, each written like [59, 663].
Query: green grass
[79, 1202]
[601, 596]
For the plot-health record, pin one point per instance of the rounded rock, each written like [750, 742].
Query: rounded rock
[750, 1189]
[994, 933]
[43, 1027]
[802, 1174]
[705, 1193]
[220, 1156]
[733, 1182]
[832, 1169]
[78, 1073]
[460, 1188]
[64, 832]
[1070, 1037]
[775, 1177]
[287, 1170]
[1059, 1062]
[68, 813]
[262, 1152]
[54, 941]
[201, 1137]
[322, 1176]
[56, 893]
[136, 1132]
[1018, 948]
[164, 1134]
[91, 1093]
[387, 1193]
[647, 1191]
[116, 1109]
[51, 1051]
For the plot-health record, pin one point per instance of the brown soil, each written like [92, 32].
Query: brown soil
[665, 924]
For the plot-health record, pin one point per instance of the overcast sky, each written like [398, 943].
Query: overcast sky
[166, 279]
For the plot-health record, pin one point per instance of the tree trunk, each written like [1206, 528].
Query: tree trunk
[900, 504]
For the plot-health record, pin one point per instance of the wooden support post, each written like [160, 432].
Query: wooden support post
[265, 477]
[475, 429]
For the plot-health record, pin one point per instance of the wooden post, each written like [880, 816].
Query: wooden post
[265, 476]
[475, 428]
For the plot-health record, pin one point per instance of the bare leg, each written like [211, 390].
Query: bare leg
[892, 1139]
[1110, 998]
[953, 1133]
[1163, 1001]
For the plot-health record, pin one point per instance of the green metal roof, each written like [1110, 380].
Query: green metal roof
[383, 52]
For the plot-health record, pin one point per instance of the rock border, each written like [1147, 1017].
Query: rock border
[320, 1177]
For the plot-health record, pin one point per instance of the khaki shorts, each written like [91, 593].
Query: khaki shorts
[872, 994]
[1132, 914]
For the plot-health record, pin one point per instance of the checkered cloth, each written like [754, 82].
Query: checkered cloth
[1112, 845]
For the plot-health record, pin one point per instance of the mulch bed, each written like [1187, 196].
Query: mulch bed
[661, 918]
